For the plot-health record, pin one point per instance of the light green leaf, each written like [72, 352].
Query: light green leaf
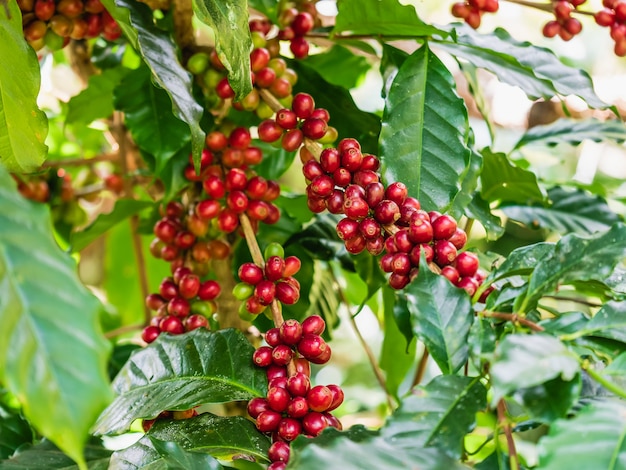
[349, 75]
[439, 414]
[95, 101]
[124, 208]
[229, 21]
[52, 353]
[23, 126]
[441, 315]
[573, 132]
[523, 361]
[593, 439]
[180, 372]
[502, 180]
[424, 131]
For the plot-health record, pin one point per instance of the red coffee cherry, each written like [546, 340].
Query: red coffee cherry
[250, 273]
[313, 325]
[256, 406]
[312, 346]
[289, 429]
[303, 105]
[272, 337]
[467, 264]
[193, 322]
[279, 452]
[278, 398]
[319, 398]
[268, 421]
[299, 384]
[270, 131]
[469, 284]
[262, 357]
[172, 324]
[445, 252]
[281, 355]
[338, 396]
[265, 291]
[443, 227]
[150, 333]
[314, 423]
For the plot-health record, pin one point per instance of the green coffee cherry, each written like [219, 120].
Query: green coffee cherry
[242, 291]
[198, 63]
[274, 249]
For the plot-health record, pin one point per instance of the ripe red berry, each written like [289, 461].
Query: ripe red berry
[270, 131]
[303, 105]
[256, 406]
[224, 90]
[458, 238]
[322, 186]
[314, 128]
[445, 252]
[150, 333]
[278, 398]
[262, 357]
[299, 384]
[311, 346]
[289, 429]
[259, 58]
[154, 301]
[166, 230]
[281, 355]
[420, 231]
[398, 281]
[469, 284]
[292, 266]
[236, 179]
[450, 273]
[193, 322]
[386, 212]
[369, 228]
[292, 140]
[401, 263]
[334, 202]
[267, 421]
[172, 324]
[467, 264]
[374, 194]
[365, 177]
[314, 423]
[356, 244]
[178, 306]
[342, 177]
[302, 23]
[444, 227]
[189, 285]
[319, 398]
[286, 293]
[279, 452]
[287, 119]
[299, 47]
[250, 273]
[351, 159]
[265, 291]
[338, 396]
[168, 289]
[272, 337]
[313, 325]
[356, 208]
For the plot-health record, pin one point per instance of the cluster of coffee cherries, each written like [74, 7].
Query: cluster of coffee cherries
[563, 25]
[230, 187]
[295, 25]
[260, 286]
[53, 23]
[184, 303]
[292, 405]
[293, 125]
[613, 16]
[471, 11]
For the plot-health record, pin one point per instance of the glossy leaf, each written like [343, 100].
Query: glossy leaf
[424, 131]
[478, 209]
[536, 70]
[390, 64]
[349, 75]
[373, 17]
[229, 21]
[14, 431]
[52, 353]
[482, 341]
[276, 161]
[439, 414]
[523, 361]
[95, 101]
[569, 212]
[363, 449]
[369, 271]
[23, 126]
[573, 132]
[522, 261]
[502, 180]
[221, 437]
[180, 372]
[124, 208]
[578, 259]
[159, 133]
[592, 439]
[469, 183]
[608, 322]
[160, 54]
[47, 456]
[441, 315]
[550, 400]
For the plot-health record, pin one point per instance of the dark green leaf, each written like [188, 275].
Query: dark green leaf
[390, 64]
[479, 210]
[593, 439]
[360, 449]
[441, 315]
[424, 131]
[373, 17]
[439, 414]
[52, 353]
[349, 120]
[402, 315]
[47, 456]
[160, 54]
[268, 7]
[95, 101]
[368, 269]
[522, 261]
[276, 161]
[573, 132]
[229, 21]
[23, 126]
[323, 299]
[124, 208]
[578, 259]
[14, 431]
[536, 70]
[119, 357]
[504, 181]
[550, 400]
[482, 341]
[221, 437]
[469, 183]
[352, 70]
[609, 322]
[180, 372]
[570, 211]
[154, 130]
[176, 458]
[523, 361]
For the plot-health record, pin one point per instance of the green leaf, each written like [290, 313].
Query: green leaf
[361, 449]
[521, 261]
[373, 17]
[174, 457]
[346, 117]
[439, 414]
[593, 439]
[229, 21]
[52, 353]
[23, 126]
[482, 342]
[550, 400]
[479, 210]
[349, 75]
[502, 180]
[536, 70]
[47, 456]
[570, 211]
[523, 361]
[390, 64]
[95, 101]
[124, 208]
[221, 437]
[578, 259]
[369, 271]
[154, 130]
[160, 54]
[469, 183]
[573, 132]
[268, 7]
[180, 372]
[14, 431]
[424, 131]
[609, 322]
[441, 315]
[276, 161]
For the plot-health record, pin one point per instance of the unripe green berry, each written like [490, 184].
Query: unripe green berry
[198, 63]
[258, 39]
[242, 291]
[274, 249]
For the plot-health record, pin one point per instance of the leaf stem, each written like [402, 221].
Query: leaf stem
[504, 423]
[121, 330]
[610, 386]
[514, 318]
[421, 368]
[572, 299]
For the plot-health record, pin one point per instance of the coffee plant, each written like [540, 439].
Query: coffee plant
[293, 235]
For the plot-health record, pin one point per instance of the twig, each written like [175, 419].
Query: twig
[468, 226]
[421, 368]
[121, 330]
[547, 7]
[504, 423]
[107, 157]
[572, 299]
[610, 386]
[119, 131]
[514, 318]
[89, 190]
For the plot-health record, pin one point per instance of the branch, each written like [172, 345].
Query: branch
[514, 318]
[572, 299]
[421, 368]
[121, 330]
[547, 7]
[107, 157]
[504, 423]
